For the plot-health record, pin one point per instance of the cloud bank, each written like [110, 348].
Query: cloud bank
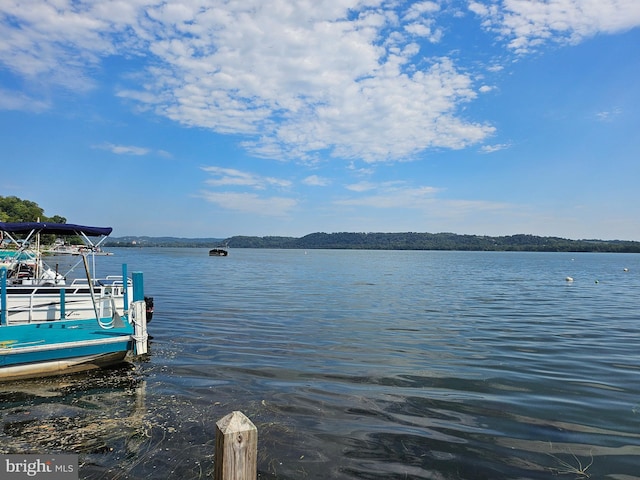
[297, 80]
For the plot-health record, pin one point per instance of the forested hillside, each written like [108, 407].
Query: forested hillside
[14, 209]
[435, 241]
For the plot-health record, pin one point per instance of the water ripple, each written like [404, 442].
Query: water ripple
[380, 365]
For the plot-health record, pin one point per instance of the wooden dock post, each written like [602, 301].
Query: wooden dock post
[236, 448]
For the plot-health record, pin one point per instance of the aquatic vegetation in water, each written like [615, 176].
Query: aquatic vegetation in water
[574, 467]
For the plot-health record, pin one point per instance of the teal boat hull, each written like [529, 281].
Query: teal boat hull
[49, 326]
[53, 348]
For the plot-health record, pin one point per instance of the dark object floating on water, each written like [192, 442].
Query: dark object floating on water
[218, 252]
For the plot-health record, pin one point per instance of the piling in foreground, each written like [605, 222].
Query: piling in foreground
[236, 448]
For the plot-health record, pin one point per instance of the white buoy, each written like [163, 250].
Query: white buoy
[569, 279]
[625, 269]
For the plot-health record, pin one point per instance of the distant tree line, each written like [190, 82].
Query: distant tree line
[145, 241]
[14, 209]
[435, 241]
[391, 241]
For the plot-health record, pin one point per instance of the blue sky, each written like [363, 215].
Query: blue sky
[282, 117]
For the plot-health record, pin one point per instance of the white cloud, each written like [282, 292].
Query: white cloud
[300, 78]
[239, 195]
[608, 115]
[361, 186]
[316, 181]
[12, 100]
[494, 148]
[251, 203]
[420, 21]
[495, 68]
[418, 9]
[54, 43]
[473, 209]
[232, 177]
[312, 81]
[527, 24]
[424, 29]
[124, 149]
[390, 195]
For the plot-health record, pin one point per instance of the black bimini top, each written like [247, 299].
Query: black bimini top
[54, 228]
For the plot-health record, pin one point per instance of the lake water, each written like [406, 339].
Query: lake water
[361, 365]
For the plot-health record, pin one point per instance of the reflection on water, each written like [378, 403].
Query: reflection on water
[93, 414]
[361, 365]
[107, 418]
[75, 413]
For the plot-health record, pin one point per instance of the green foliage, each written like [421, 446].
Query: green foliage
[14, 209]
[392, 241]
[435, 241]
[144, 241]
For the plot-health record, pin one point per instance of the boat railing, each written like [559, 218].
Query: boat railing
[115, 280]
[29, 304]
[108, 280]
[45, 305]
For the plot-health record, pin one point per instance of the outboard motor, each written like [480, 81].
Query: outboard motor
[149, 303]
[50, 278]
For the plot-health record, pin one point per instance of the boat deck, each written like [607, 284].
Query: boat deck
[58, 332]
